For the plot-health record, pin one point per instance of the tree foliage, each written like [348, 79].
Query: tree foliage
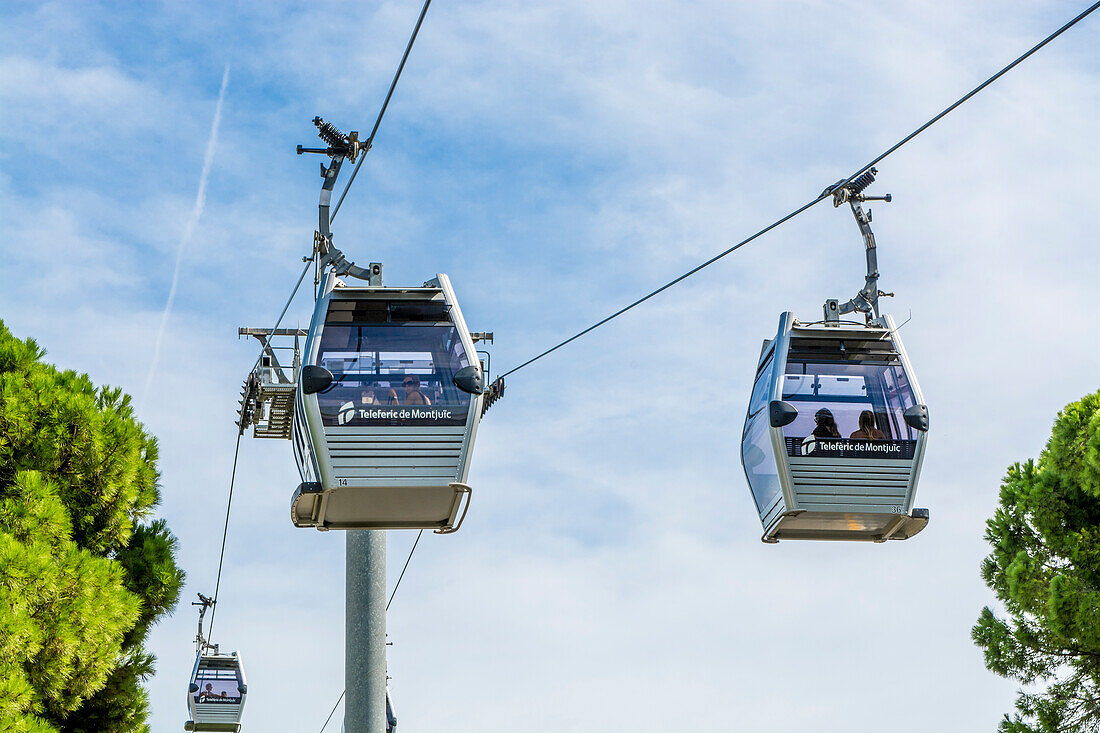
[84, 569]
[1045, 570]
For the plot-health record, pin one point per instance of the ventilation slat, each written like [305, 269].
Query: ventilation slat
[365, 440]
[385, 432]
[856, 470]
[375, 449]
[340, 462]
[845, 496]
[901, 481]
[440, 472]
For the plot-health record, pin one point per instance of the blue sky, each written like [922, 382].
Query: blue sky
[558, 160]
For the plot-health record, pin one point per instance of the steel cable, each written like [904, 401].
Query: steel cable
[402, 575]
[225, 533]
[332, 712]
[824, 195]
[282, 313]
[236, 454]
[381, 112]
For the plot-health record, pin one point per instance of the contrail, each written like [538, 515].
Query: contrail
[188, 231]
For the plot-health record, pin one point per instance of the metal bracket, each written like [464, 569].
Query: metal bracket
[267, 398]
[866, 300]
[201, 644]
[459, 490]
[345, 146]
[246, 414]
[493, 392]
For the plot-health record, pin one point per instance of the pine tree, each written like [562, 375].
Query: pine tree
[1045, 570]
[84, 569]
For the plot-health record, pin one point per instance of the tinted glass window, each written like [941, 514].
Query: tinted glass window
[759, 461]
[759, 398]
[392, 375]
[856, 401]
[217, 686]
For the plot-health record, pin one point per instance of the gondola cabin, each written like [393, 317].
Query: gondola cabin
[215, 697]
[835, 434]
[388, 406]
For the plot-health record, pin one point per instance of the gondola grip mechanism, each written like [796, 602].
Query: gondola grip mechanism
[494, 392]
[866, 300]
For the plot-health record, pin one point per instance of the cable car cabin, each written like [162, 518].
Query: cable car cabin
[215, 698]
[835, 434]
[388, 407]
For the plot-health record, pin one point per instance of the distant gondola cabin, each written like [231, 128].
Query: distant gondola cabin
[215, 696]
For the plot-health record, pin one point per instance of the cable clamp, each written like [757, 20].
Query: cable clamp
[494, 392]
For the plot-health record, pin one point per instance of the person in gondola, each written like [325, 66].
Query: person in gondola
[389, 397]
[867, 429]
[207, 693]
[826, 424]
[369, 397]
[413, 395]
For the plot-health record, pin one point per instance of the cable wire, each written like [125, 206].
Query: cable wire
[667, 285]
[402, 575]
[279, 320]
[381, 112]
[236, 455]
[824, 194]
[225, 533]
[332, 712]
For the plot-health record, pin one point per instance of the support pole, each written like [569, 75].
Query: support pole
[365, 632]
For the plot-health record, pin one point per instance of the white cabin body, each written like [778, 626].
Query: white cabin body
[387, 445]
[215, 696]
[835, 434]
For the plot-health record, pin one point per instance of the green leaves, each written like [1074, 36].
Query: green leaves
[83, 576]
[1045, 570]
[64, 610]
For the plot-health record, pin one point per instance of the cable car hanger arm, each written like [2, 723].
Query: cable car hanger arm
[341, 146]
[851, 192]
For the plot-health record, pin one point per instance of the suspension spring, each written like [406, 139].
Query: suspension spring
[862, 181]
[329, 133]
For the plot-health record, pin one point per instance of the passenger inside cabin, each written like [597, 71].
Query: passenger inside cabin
[208, 692]
[867, 429]
[390, 397]
[826, 424]
[413, 395]
[369, 397]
